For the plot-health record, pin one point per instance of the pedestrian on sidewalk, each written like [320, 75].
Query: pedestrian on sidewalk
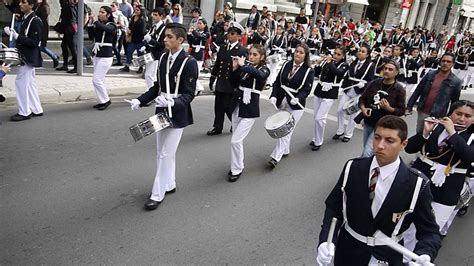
[28, 43]
[122, 23]
[134, 38]
[43, 12]
[104, 30]
[176, 95]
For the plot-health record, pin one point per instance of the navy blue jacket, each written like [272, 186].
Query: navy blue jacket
[350, 251]
[327, 73]
[28, 43]
[448, 94]
[222, 69]
[110, 30]
[156, 46]
[448, 193]
[182, 114]
[245, 76]
[197, 40]
[294, 83]
[358, 75]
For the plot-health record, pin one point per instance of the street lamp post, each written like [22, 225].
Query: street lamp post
[315, 7]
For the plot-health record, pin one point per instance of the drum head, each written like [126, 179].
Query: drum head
[277, 120]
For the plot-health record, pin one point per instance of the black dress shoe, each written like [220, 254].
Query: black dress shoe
[55, 63]
[97, 105]
[36, 115]
[71, 71]
[117, 64]
[315, 147]
[104, 106]
[285, 155]
[63, 68]
[125, 69]
[346, 139]
[213, 132]
[171, 191]
[311, 144]
[272, 163]
[140, 70]
[462, 211]
[233, 178]
[152, 204]
[89, 61]
[18, 117]
[337, 136]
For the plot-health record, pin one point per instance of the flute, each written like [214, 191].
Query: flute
[437, 121]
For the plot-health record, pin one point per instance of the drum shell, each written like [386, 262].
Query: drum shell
[150, 126]
[352, 106]
[11, 56]
[282, 130]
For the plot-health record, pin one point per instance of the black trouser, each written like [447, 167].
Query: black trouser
[68, 45]
[222, 105]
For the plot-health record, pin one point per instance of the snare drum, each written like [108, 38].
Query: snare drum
[11, 56]
[465, 197]
[143, 60]
[352, 106]
[274, 59]
[280, 124]
[150, 126]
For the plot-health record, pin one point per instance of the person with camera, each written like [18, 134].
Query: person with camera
[382, 97]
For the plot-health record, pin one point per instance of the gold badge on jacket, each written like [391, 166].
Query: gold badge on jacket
[396, 216]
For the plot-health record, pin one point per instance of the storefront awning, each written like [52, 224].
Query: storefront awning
[360, 2]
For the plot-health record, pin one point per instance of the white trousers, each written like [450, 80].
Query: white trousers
[321, 110]
[470, 76]
[240, 129]
[283, 144]
[199, 86]
[150, 73]
[101, 67]
[167, 141]
[348, 131]
[461, 74]
[27, 97]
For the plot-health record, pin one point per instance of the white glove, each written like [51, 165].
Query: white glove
[326, 86]
[143, 49]
[273, 100]
[12, 32]
[247, 96]
[438, 177]
[134, 104]
[325, 253]
[423, 260]
[147, 38]
[294, 101]
[360, 84]
[162, 101]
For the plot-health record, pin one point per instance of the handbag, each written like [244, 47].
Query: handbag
[59, 28]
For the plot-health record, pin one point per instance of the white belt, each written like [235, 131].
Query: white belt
[252, 90]
[97, 46]
[410, 73]
[461, 63]
[370, 240]
[356, 79]
[174, 96]
[289, 89]
[198, 47]
[432, 163]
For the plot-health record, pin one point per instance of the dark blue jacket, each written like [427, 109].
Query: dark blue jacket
[182, 114]
[197, 41]
[28, 43]
[448, 94]
[350, 251]
[110, 29]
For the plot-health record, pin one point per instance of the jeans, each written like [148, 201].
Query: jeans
[50, 53]
[368, 140]
[131, 47]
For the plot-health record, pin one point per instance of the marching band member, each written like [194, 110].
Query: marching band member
[401, 59]
[314, 41]
[330, 72]
[470, 69]
[381, 97]
[445, 150]
[431, 62]
[408, 42]
[197, 39]
[259, 36]
[155, 44]
[461, 61]
[414, 63]
[379, 197]
[277, 45]
[355, 43]
[28, 43]
[295, 40]
[397, 38]
[104, 30]
[292, 86]
[380, 61]
[221, 73]
[418, 43]
[175, 94]
[360, 72]
[251, 79]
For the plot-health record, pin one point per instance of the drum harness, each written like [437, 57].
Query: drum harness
[159, 34]
[28, 27]
[288, 89]
[167, 81]
[356, 79]
[371, 240]
[329, 84]
[97, 46]
[450, 168]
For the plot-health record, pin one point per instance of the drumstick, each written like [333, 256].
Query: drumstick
[292, 97]
[12, 27]
[331, 229]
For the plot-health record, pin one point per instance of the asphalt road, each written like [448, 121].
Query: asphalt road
[73, 184]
